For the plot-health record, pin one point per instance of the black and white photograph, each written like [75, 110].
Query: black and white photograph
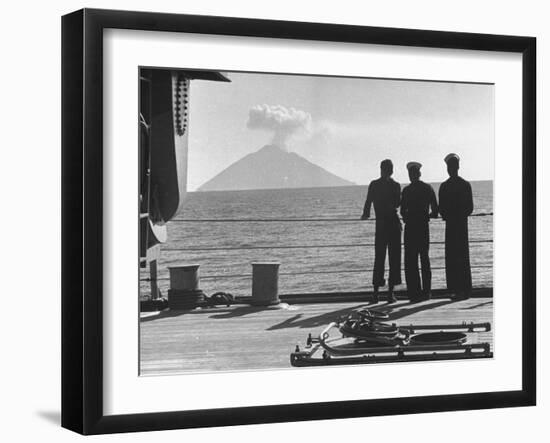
[290, 221]
[271, 222]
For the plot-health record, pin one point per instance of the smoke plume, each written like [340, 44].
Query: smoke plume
[284, 123]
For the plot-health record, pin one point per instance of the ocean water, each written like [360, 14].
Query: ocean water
[343, 264]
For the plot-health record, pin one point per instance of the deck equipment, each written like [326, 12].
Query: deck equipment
[365, 339]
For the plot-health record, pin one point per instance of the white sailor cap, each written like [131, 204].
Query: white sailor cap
[412, 165]
[451, 156]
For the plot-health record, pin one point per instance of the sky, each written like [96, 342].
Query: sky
[346, 125]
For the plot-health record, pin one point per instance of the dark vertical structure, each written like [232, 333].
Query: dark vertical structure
[163, 144]
[144, 158]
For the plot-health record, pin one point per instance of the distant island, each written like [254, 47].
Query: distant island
[272, 168]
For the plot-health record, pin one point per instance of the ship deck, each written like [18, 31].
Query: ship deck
[242, 337]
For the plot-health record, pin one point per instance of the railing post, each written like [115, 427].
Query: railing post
[184, 292]
[265, 283]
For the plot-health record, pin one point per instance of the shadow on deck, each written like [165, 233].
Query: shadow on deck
[243, 337]
[394, 311]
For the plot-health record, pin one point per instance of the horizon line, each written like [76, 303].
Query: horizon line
[317, 187]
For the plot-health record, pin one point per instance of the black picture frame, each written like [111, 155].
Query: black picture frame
[82, 218]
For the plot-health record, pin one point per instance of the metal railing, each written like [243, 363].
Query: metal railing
[290, 247]
[244, 248]
[293, 220]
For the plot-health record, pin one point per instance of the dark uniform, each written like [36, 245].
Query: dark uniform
[385, 195]
[415, 210]
[455, 205]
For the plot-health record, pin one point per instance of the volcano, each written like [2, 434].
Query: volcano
[272, 168]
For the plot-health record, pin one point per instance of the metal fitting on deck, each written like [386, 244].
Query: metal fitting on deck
[265, 283]
[184, 290]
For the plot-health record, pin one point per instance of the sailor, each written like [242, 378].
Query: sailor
[456, 204]
[385, 194]
[417, 200]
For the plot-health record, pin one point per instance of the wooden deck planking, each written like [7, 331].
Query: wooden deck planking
[249, 338]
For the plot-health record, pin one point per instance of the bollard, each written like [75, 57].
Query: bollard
[184, 290]
[265, 283]
[184, 277]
